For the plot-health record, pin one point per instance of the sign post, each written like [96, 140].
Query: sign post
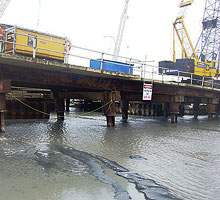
[147, 91]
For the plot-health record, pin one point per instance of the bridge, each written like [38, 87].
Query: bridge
[74, 78]
[72, 81]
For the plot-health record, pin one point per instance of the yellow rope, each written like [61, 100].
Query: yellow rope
[108, 103]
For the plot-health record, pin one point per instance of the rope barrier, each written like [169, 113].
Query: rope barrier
[42, 112]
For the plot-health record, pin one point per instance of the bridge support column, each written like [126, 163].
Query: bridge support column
[151, 109]
[5, 87]
[196, 108]
[143, 109]
[147, 109]
[67, 105]
[212, 108]
[175, 107]
[125, 107]
[2, 112]
[59, 106]
[136, 108]
[131, 109]
[182, 109]
[110, 109]
[165, 109]
[174, 111]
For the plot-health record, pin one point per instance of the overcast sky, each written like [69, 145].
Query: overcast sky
[86, 23]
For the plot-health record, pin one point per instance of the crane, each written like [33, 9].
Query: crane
[210, 31]
[120, 31]
[179, 29]
[205, 64]
[3, 6]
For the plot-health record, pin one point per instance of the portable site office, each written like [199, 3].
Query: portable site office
[19, 40]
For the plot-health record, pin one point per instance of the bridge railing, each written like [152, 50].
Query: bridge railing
[85, 57]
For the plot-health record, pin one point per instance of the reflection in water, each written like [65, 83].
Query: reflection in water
[183, 157]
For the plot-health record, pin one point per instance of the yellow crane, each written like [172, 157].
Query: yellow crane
[189, 61]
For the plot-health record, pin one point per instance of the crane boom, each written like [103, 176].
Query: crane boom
[3, 6]
[210, 31]
[120, 31]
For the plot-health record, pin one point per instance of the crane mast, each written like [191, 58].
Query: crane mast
[120, 31]
[210, 31]
[3, 6]
[180, 30]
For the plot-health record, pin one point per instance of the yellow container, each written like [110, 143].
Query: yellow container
[44, 45]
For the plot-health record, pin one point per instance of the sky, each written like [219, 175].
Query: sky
[94, 23]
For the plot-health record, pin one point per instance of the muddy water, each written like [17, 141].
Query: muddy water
[182, 159]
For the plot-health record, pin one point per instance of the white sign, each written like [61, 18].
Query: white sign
[147, 91]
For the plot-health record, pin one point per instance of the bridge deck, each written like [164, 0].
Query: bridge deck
[41, 64]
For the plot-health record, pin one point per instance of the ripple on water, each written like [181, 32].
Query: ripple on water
[182, 157]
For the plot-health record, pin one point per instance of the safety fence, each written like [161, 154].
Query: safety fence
[85, 57]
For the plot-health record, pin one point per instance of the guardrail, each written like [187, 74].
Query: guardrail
[75, 55]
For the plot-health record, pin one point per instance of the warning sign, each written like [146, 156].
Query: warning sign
[147, 91]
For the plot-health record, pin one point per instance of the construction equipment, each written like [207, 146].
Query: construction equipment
[18, 40]
[190, 62]
[120, 31]
[210, 31]
[3, 6]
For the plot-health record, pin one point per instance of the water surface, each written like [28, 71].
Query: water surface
[183, 157]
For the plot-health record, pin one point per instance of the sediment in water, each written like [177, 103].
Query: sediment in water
[97, 170]
[148, 187]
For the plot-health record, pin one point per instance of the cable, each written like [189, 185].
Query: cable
[108, 103]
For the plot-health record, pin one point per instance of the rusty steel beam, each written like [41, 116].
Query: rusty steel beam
[30, 77]
[42, 78]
